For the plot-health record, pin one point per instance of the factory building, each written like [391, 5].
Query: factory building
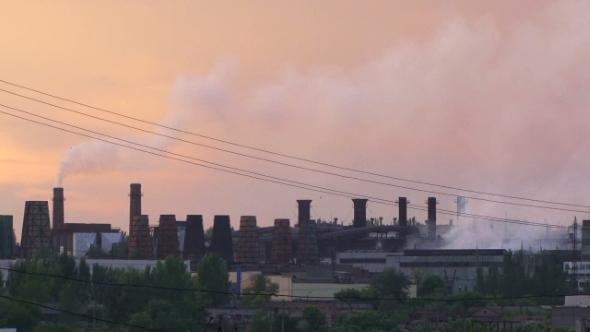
[457, 267]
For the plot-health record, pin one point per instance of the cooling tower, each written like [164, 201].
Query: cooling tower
[281, 242]
[58, 207]
[308, 244]
[6, 237]
[167, 237]
[194, 238]
[36, 230]
[248, 251]
[402, 203]
[360, 212]
[140, 242]
[431, 222]
[221, 241]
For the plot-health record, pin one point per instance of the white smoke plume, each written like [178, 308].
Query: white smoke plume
[190, 97]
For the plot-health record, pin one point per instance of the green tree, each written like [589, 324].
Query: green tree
[260, 290]
[315, 320]
[391, 286]
[369, 320]
[212, 276]
[20, 316]
[285, 322]
[259, 322]
[431, 285]
[349, 295]
[142, 319]
[58, 327]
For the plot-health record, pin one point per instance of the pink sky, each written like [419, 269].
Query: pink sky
[484, 95]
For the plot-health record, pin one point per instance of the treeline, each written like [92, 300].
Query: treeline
[154, 298]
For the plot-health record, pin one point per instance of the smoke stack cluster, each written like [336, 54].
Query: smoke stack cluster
[360, 212]
[248, 251]
[221, 241]
[431, 222]
[281, 242]
[58, 207]
[167, 237]
[194, 239]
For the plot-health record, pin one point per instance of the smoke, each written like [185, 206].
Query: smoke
[190, 99]
[499, 108]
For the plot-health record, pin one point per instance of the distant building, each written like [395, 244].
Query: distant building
[457, 267]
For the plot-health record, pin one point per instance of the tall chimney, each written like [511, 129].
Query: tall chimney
[402, 203]
[585, 240]
[58, 207]
[431, 222]
[304, 207]
[134, 202]
[360, 212]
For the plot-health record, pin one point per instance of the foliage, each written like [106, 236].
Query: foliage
[369, 320]
[315, 320]
[213, 276]
[17, 315]
[260, 290]
[157, 308]
[431, 286]
[58, 327]
[521, 275]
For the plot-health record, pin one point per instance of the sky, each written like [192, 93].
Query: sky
[482, 95]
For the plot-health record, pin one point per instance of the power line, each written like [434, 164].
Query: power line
[178, 289]
[77, 314]
[283, 163]
[271, 178]
[274, 153]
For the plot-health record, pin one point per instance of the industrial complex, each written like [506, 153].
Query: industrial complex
[302, 248]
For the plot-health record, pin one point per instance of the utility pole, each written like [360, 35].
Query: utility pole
[283, 318]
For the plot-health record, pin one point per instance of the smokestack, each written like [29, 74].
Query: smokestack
[585, 240]
[58, 207]
[134, 201]
[360, 212]
[304, 207]
[402, 203]
[431, 222]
